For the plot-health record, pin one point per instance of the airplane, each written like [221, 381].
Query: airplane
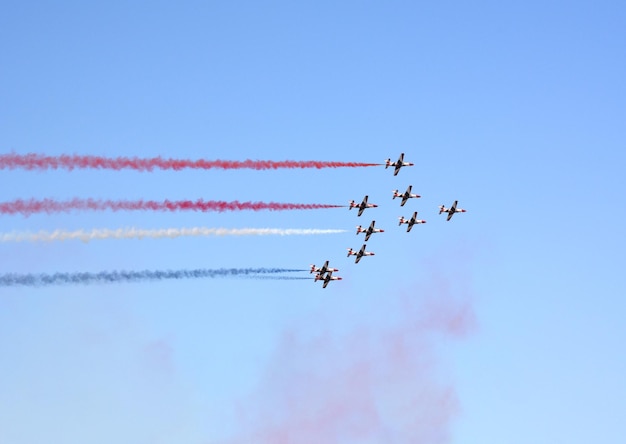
[453, 209]
[368, 231]
[323, 269]
[359, 254]
[329, 277]
[410, 222]
[363, 205]
[398, 164]
[406, 195]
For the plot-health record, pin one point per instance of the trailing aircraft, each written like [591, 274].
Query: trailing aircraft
[329, 277]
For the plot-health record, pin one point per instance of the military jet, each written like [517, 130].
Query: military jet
[359, 254]
[329, 277]
[368, 231]
[406, 195]
[453, 209]
[323, 269]
[397, 164]
[363, 205]
[410, 222]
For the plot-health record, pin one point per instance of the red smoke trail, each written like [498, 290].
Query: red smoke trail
[70, 162]
[32, 206]
[374, 385]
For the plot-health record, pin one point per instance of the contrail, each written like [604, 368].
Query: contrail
[136, 233]
[71, 162]
[104, 277]
[32, 206]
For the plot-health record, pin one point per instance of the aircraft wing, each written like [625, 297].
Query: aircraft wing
[359, 255]
[324, 268]
[369, 231]
[399, 164]
[362, 206]
[406, 195]
[452, 210]
[327, 279]
[411, 221]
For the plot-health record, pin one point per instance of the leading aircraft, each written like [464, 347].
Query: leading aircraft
[397, 164]
[453, 209]
[359, 254]
[323, 269]
[329, 277]
[410, 222]
[368, 231]
[363, 205]
[406, 195]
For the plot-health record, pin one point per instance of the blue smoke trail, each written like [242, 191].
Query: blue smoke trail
[86, 278]
[280, 278]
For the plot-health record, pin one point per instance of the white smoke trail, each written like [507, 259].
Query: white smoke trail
[137, 233]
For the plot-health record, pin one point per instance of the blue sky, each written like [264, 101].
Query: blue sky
[509, 318]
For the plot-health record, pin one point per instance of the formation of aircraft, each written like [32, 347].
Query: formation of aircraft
[359, 254]
[397, 164]
[453, 209]
[406, 195]
[368, 231]
[325, 273]
[410, 222]
[362, 206]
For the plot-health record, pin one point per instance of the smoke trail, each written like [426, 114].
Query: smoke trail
[136, 233]
[70, 162]
[369, 384]
[32, 206]
[104, 277]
